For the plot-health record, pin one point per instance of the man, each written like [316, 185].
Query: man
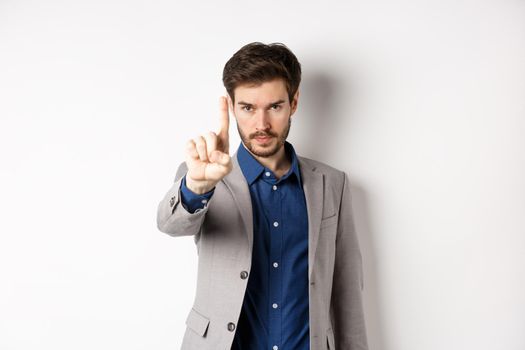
[279, 261]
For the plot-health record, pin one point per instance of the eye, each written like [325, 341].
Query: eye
[244, 107]
[277, 106]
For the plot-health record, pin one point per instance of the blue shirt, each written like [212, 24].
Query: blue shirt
[275, 310]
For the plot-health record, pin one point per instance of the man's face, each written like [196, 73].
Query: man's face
[263, 115]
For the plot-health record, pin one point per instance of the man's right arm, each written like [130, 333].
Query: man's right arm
[181, 212]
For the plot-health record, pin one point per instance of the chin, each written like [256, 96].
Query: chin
[266, 150]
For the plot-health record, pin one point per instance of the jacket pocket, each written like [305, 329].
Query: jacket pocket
[330, 339]
[325, 222]
[197, 322]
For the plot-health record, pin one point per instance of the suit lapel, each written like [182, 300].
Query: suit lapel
[312, 182]
[236, 183]
[313, 192]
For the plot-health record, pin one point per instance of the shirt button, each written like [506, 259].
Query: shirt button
[274, 187]
[275, 264]
[275, 347]
[275, 223]
[244, 275]
[231, 326]
[274, 305]
[267, 173]
[204, 201]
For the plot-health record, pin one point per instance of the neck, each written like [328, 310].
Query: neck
[277, 163]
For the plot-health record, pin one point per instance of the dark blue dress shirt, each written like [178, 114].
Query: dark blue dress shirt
[275, 310]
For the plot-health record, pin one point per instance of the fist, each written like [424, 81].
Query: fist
[207, 156]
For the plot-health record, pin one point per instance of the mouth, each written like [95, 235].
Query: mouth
[262, 139]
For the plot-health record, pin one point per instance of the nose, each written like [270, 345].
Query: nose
[262, 120]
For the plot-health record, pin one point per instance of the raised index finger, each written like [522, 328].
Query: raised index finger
[225, 120]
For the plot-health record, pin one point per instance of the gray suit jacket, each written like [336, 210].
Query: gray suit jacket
[223, 233]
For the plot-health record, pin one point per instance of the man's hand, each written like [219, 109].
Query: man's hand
[207, 156]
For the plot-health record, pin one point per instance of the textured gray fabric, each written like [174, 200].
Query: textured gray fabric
[223, 233]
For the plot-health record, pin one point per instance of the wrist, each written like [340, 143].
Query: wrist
[198, 187]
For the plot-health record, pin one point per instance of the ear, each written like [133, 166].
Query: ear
[295, 101]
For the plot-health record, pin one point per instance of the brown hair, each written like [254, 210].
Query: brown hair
[256, 63]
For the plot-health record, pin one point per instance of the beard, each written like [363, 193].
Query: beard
[265, 151]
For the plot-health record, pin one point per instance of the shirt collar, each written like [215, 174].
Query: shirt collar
[251, 167]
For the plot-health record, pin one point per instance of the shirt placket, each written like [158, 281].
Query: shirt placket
[276, 241]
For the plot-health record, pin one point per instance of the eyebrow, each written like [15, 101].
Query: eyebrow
[270, 104]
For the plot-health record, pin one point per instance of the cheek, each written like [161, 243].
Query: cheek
[244, 127]
[243, 124]
[282, 122]
[283, 115]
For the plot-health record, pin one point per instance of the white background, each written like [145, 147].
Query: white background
[421, 102]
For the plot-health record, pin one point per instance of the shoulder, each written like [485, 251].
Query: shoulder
[182, 169]
[333, 176]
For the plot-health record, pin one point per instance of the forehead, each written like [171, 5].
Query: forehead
[262, 93]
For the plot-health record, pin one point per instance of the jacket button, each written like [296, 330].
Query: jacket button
[231, 326]
[244, 275]
[172, 201]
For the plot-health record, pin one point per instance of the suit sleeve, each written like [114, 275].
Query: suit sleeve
[172, 217]
[193, 201]
[346, 307]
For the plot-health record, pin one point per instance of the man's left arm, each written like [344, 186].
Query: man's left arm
[347, 313]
